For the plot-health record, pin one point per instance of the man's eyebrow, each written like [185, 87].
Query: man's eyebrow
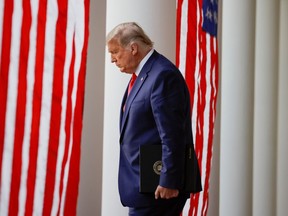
[114, 50]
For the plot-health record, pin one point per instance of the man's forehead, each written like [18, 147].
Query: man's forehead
[113, 44]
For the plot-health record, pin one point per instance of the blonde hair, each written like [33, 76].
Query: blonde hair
[127, 33]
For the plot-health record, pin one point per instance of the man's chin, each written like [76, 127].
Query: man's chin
[123, 70]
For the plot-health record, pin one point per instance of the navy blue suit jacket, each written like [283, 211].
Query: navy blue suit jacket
[157, 112]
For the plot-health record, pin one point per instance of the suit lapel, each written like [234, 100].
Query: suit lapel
[136, 88]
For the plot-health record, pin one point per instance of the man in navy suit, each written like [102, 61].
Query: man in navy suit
[156, 111]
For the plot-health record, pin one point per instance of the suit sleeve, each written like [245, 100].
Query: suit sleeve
[169, 102]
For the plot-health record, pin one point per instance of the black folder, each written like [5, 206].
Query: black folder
[150, 167]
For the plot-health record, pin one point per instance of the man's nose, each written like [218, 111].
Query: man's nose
[113, 59]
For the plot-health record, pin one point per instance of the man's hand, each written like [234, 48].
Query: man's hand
[165, 193]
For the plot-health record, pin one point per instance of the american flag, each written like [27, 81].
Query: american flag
[43, 49]
[197, 59]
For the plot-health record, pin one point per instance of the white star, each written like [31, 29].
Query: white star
[209, 14]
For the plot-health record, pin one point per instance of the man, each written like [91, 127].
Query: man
[155, 111]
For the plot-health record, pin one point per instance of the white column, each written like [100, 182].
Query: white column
[282, 151]
[265, 107]
[158, 20]
[236, 132]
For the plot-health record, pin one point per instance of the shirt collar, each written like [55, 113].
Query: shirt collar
[143, 61]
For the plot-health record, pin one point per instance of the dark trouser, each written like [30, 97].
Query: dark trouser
[171, 207]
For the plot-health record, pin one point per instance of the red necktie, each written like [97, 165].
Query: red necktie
[132, 81]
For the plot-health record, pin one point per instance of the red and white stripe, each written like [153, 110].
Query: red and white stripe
[43, 48]
[197, 59]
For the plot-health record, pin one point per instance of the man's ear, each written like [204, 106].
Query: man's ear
[134, 48]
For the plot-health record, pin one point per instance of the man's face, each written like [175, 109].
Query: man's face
[124, 58]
